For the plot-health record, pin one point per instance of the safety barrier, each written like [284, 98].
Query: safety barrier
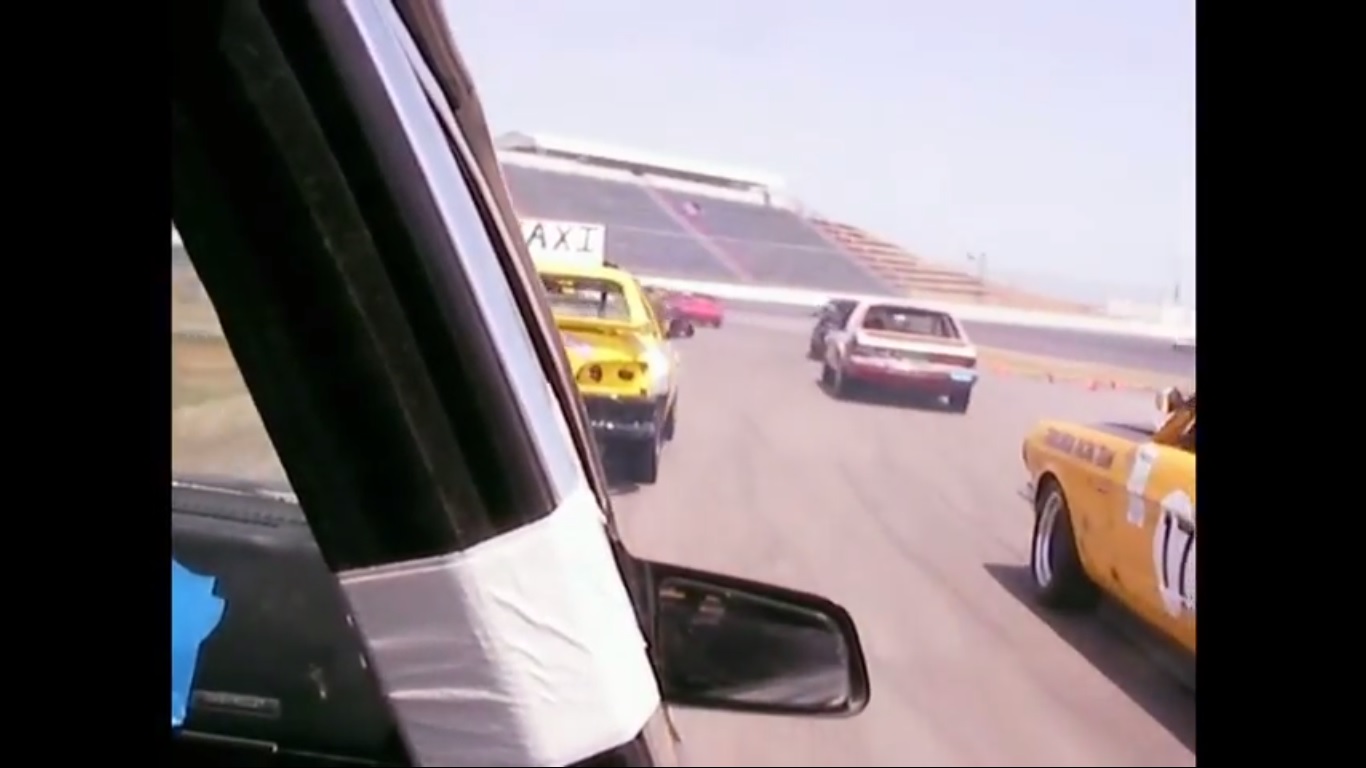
[983, 314]
[794, 297]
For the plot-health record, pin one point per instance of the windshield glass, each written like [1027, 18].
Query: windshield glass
[582, 297]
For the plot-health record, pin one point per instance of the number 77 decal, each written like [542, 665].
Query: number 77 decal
[1174, 553]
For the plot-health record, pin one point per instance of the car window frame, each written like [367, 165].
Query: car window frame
[264, 245]
[451, 95]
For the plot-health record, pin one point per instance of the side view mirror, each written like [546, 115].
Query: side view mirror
[726, 643]
[679, 328]
[1169, 400]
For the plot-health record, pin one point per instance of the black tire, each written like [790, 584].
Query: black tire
[642, 462]
[1063, 585]
[669, 423]
[834, 383]
[960, 400]
[813, 352]
[841, 387]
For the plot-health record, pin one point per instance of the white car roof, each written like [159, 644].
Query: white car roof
[899, 303]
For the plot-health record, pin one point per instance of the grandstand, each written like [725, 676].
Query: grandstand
[667, 218]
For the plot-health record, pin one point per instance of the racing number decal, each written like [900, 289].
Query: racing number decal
[1137, 486]
[1174, 554]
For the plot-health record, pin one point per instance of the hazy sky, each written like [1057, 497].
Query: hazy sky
[1055, 135]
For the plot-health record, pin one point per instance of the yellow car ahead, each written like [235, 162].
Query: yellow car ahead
[623, 361]
[1114, 512]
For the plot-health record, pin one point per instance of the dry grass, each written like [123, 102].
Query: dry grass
[202, 369]
[215, 428]
[1041, 366]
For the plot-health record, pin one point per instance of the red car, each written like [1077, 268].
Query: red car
[696, 307]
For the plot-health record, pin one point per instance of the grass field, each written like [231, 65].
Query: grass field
[214, 425]
[1021, 364]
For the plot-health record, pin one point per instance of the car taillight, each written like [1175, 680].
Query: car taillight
[961, 362]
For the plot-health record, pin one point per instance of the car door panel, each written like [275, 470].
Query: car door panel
[1155, 538]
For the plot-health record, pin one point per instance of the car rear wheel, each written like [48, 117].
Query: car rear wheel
[642, 463]
[669, 423]
[834, 381]
[1060, 581]
[960, 400]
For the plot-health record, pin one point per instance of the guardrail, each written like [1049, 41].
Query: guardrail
[795, 297]
[982, 314]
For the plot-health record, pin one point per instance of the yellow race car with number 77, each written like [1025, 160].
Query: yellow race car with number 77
[1114, 513]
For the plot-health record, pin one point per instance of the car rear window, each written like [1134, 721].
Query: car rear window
[909, 320]
[584, 297]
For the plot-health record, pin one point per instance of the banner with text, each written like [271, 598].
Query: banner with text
[575, 242]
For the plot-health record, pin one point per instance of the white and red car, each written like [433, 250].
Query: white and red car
[896, 345]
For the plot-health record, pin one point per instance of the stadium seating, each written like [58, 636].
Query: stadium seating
[549, 195]
[800, 267]
[743, 221]
[913, 276]
[668, 234]
[667, 254]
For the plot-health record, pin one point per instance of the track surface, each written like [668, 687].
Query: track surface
[913, 520]
[1110, 349]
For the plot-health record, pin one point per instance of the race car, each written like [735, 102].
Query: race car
[1114, 514]
[663, 310]
[623, 362]
[899, 346]
[699, 309]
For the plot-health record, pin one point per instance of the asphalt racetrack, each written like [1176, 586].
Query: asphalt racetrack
[1135, 352]
[913, 520]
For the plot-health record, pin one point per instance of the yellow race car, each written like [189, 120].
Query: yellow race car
[1114, 513]
[623, 361]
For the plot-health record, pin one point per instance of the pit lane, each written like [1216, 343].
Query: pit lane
[913, 520]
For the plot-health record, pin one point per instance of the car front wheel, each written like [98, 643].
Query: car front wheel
[1060, 581]
[642, 461]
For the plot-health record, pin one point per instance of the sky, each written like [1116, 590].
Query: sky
[1055, 136]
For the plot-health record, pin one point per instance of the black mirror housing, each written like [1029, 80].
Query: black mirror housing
[721, 642]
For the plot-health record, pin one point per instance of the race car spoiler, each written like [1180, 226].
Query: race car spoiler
[611, 327]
